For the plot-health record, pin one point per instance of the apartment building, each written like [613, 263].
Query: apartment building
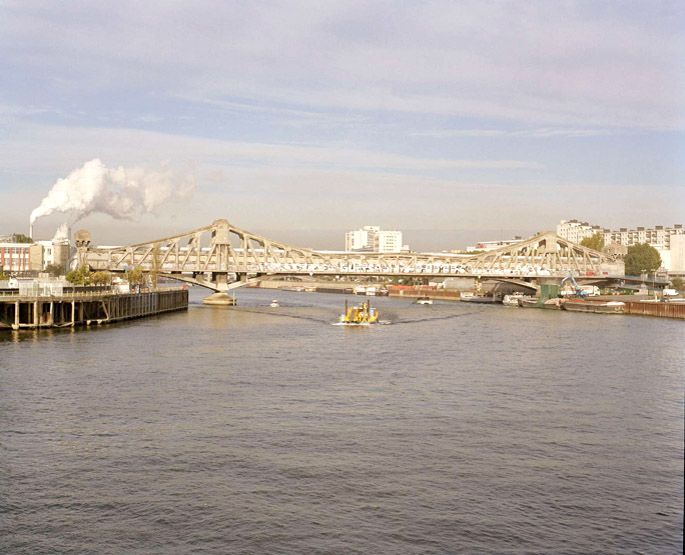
[658, 236]
[663, 238]
[575, 230]
[371, 238]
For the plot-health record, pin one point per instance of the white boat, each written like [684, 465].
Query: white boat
[424, 300]
[513, 299]
[274, 304]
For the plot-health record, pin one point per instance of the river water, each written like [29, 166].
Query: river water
[456, 429]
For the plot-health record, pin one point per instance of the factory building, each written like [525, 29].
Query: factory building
[19, 258]
[24, 258]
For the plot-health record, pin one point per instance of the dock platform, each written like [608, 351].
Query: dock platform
[87, 308]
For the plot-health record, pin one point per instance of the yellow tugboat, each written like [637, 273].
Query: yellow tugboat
[362, 315]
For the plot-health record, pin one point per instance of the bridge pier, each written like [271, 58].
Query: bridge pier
[220, 281]
[219, 299]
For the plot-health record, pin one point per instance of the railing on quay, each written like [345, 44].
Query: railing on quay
[8, 295]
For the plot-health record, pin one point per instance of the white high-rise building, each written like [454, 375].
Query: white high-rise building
[389, 241]
[575, 231]
[676, 255]
[361, 239]
[371, 238]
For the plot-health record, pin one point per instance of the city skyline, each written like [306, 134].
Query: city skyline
[467, 121]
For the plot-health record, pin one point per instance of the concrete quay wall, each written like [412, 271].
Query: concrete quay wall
[662, 310]
[87, 308]
[416, 292]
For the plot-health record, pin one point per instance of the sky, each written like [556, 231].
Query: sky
[450, 121]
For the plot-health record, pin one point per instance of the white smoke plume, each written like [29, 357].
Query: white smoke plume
[123, 193]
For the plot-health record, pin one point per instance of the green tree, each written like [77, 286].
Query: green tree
[3, 275]
[594, 242]
[641, 258]
[55, 269]
[135, 276]
[21, 238]
[79, 276]
[677, 283]
[101, 278]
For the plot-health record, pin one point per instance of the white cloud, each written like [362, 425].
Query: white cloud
[536, 63]
[534, 133]
[289, 100]
[32, 146]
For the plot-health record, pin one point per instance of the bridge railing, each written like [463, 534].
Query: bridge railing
[361, 268]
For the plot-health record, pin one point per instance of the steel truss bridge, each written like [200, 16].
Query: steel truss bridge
[221, 257]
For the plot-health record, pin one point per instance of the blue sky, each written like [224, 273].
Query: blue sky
[448, 120]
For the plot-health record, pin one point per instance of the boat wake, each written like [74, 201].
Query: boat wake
[450, 317]
[362, 324]
[395, 321]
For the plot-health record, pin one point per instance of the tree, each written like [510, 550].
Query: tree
[135, 276]
[80, 276]
[677, 283]
[55, 269]
[101, 278]
[3, 276]
[594, 242]
[641, 258]
[21, 238]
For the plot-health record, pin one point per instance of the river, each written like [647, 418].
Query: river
[456, 429]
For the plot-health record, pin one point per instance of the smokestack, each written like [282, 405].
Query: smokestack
[31, 231]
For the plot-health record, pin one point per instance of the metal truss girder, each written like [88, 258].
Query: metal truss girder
[224, 249]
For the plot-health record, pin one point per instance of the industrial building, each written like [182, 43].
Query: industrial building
[19, 258]
[25, 258]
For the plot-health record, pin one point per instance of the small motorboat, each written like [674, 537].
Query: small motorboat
[274, 304]
[424, 300]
